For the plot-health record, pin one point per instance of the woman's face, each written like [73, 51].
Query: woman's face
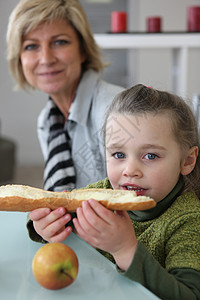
[51, 58]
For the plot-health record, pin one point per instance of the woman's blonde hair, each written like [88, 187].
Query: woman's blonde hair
[28, 14]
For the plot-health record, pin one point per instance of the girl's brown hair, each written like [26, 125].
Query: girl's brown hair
[140, 99]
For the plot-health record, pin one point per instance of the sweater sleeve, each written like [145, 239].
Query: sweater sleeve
[177, 284]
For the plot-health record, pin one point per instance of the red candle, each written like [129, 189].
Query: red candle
[193, 18]
[154, 24]
[118, 21]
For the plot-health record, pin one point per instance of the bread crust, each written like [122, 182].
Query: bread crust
[25, 198]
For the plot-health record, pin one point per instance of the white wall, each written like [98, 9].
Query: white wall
[19, 110]
[155, 65]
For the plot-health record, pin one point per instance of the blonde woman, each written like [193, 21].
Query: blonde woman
[51, 48]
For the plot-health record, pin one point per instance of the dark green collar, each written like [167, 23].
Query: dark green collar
[160, 207]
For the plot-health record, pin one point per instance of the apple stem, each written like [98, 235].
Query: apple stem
[67, 275]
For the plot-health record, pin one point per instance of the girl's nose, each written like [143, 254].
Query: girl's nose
[132, 169]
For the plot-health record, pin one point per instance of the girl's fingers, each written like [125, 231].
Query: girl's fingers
[56, 226]
[39, 213]
[105, 214]
[56, 214]
[85, 217]
[51, 217]
[85, 235]
[78, 229]
[61, 236]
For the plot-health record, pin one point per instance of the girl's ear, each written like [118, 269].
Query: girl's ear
[189, 162]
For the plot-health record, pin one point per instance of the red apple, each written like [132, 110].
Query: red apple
[55, 266]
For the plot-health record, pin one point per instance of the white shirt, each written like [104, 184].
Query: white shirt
[84, 125]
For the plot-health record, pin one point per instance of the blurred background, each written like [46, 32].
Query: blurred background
[19, 110]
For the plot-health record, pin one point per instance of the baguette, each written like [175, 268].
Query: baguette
[25, 198]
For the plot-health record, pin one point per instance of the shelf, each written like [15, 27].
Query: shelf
[148, 40]
[179, 43]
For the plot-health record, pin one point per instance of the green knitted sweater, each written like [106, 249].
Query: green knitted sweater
[173, 237]
[169, 244]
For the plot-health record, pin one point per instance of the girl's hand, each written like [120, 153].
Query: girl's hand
[50, 225]
[106, 230]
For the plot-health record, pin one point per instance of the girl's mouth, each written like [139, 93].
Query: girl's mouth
[139, 190]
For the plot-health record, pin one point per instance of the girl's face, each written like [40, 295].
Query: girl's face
[142, 154]
[51, 58]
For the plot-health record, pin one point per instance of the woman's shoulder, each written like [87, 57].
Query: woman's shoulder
[103, 90]
[108, 90]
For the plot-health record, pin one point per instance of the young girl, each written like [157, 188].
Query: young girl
[152, 145]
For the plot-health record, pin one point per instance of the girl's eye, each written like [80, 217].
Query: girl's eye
[150, 156]
[119, 155]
